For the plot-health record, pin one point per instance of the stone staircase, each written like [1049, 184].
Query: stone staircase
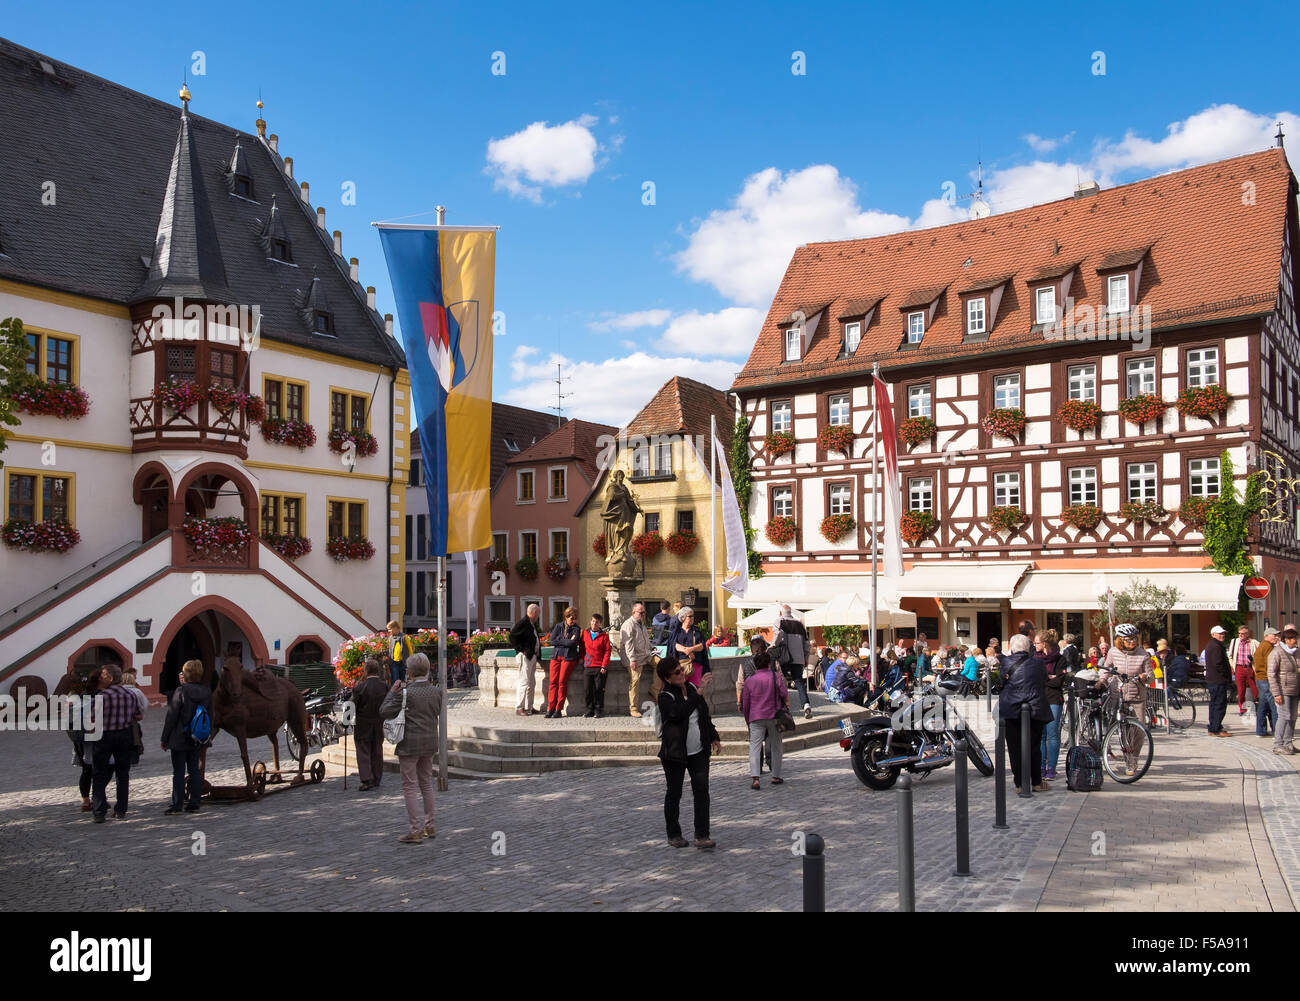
[515, 747]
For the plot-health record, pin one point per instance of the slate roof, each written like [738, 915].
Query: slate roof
[522, 426]
[576, 440]
[1209, 255]
[110, 151]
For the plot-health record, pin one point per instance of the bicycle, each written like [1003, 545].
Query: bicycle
[1111, 728]
[1181, 713]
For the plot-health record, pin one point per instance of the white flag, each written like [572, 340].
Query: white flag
[471, 595]
[736, 579]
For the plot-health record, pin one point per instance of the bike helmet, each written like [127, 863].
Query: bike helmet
[1126, 631]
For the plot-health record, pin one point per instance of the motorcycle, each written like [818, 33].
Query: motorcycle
[328, 718]
[920, 735]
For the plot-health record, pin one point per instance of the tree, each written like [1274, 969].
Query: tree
[740, 479]
[849, 637]
[13, 373]
[1142, 603]
[1227, 528]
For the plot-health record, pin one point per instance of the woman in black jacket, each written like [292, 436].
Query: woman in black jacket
[1056, 675]
[1025, 684]
[688, 735]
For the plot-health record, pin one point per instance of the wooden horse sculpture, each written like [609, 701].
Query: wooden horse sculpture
[255, 704]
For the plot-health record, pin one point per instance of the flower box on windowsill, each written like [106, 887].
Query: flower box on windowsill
[526, 568]
[779, 443]
[599, 546]
[1005, 422]
[648, 544]
[917, 525]
[497, 564]
[915, 430]
[1007, 519]
[227, 400]
[836, 526]
[54, 536]
[681, 543]
[781, 530]
[291, 547]
[1205, 402]
[1141, 409]
[1195, 511]
[179, 395]
[1139, 511]
[342, 549]
[836, 438]
[53, 399]
[363, 442]
[217, 539]
[1079, 415]
[1084, 517]
[557, 568]
[288, 431]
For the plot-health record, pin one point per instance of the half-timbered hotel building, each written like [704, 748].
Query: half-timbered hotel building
[114, 209]
[1003, 331]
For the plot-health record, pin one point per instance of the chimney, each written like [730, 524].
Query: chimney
[354, 269]
[338, 242]
[388, 323]
[288, 166]
[261, 127]
[305, 188]
[320, 214]
[274, 142]
[370, 296]
[1085, 188]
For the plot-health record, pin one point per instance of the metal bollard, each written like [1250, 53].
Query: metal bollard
[814, 875]
[906, 852]
[1000, 782]
[963, 814]
[1026, 754]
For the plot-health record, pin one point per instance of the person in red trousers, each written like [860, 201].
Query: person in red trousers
[566, 638]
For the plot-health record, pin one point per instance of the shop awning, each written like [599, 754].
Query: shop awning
[812, 590]
[855, 610]
[1062, 590]
[947, 579]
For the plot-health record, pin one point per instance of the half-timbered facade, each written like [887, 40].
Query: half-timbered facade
[1039, 365]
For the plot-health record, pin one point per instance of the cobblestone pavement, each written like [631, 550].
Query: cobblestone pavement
[594, 839]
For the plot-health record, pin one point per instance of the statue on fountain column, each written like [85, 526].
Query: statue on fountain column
[619, 515]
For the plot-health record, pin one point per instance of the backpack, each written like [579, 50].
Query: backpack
[781, 648]
[1083, 772]
[199, 728]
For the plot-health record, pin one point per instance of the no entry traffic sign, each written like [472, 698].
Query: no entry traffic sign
[1256, 587]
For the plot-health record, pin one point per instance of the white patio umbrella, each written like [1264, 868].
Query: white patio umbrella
[855, 610]
[762, 619]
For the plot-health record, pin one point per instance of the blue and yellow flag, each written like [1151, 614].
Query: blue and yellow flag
[443, 279]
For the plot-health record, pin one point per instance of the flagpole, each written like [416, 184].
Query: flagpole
[875, 523]
[713, 521]
[442, 634]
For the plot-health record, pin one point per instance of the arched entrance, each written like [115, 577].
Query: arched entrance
[207, 629]
[152, 491]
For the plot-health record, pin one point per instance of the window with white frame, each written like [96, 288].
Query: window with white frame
[1142, 481]
[852, 336]
[1083, 485]
[528, 545]
[783, 502]
[920, 493]
[1006, 489]
[781, 416]
[501, 612]
[1006, 391]
[560, 543]
[664, 458]
[975, 315]
[1117, 293]
[841, 498]
[1203, 367]
[1140, 376]
[524, 482]
[640, 461]
[915, 327]
[1081, 382]
[1203, 477]
[1045, 304]
[793, 343]
[918, 401]
[500, 545]
[838, 410]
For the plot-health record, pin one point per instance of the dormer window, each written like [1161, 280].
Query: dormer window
[511, 444]
[915, 327]
[322, 322]
[976, 315]
[1117, 298]
[280, 251]
[1045, 304]
[852, 337]
[244, 186]
[793, 343]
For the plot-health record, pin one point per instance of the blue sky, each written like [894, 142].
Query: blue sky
[747, 158]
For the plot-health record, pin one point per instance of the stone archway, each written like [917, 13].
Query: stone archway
[192, 613]
[151, 489]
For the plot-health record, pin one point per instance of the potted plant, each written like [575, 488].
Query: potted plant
[599, 547]
[557, 568]
[1007, 519]
[289, 431]
[836, 438]
[779, 443]
[54, 536]
[52, 399]
[289, 546]
[1005, 422]
[1140, 409]
[362, 442]
[1195, 511]
[681, 543]
[647, 544]
[836, 526]
[217, 537]
[915, 430]
[1204, 402]
[780, 530]
[916, 525]
[1079, 415]
[178, 395]
[1084, 517]
[526, 568]
[497, 564]
[342, 549]
[1139, 511]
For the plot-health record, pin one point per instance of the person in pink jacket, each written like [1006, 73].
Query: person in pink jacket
[762, 697]
[595, 664]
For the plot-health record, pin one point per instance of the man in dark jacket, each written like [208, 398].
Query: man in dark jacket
[189, 696]
[1025, 683]
[369, 732]
[661, 625]
[1218, 675]
[796, 642]
[527, 642]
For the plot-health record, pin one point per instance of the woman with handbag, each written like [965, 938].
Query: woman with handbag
[687, 735]
[763, 699]
[412, 724]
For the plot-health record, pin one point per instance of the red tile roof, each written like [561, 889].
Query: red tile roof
[1213, 254]
[519, 425]
[575, 440]
[684, 406]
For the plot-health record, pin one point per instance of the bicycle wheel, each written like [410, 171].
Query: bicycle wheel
[1182, 710]
[1126, 751]
[1093, 730]
[1067, 727]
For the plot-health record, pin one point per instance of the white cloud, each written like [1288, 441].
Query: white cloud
[1042, 144]
[632, 321]
[543, 155]
[1033, 183]
[742, 251]
[519, 366]
[728, 332]
[1218, 132]
[612, 391]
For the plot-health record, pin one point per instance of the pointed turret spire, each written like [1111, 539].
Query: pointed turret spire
[187, 258]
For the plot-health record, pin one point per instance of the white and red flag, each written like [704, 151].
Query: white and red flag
[891, 533]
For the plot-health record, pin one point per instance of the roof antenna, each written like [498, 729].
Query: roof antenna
[979, 208]
[1280, 136]
[560, 397]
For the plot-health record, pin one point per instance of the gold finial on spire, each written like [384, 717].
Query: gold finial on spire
[261, 122]
[185, 96]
